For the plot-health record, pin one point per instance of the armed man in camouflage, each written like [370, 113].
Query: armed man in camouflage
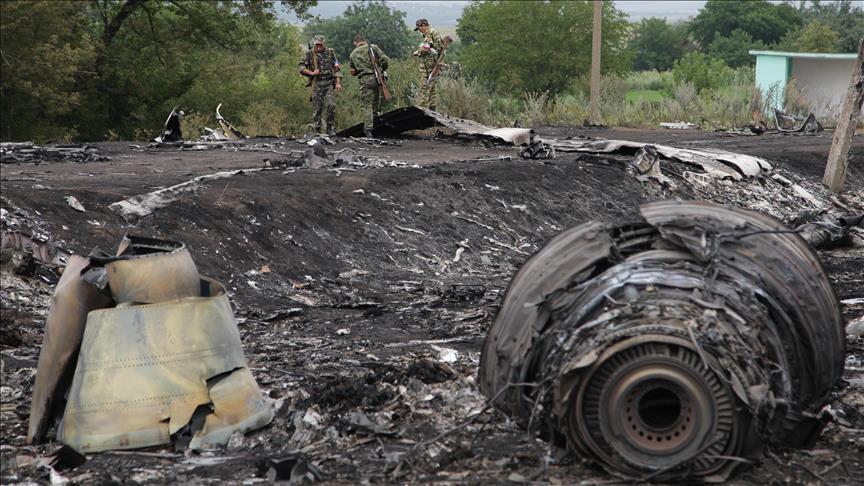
[428, 54]
[322, 68]
[370, 90]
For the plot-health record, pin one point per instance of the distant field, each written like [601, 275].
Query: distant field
[644, 94]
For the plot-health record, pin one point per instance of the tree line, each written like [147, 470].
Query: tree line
[109, 69]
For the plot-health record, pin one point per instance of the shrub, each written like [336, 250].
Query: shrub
[569, 110]
[463, 98]
[192, 125]
[704, 72]
[650, 80]
[267, 118]
[794, 101]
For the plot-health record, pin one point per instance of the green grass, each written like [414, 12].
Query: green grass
[635, 95]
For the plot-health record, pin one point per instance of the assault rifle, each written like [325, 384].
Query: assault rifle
[379, 76]
[438, 63]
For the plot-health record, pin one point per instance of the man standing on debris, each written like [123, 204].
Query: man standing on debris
[429, 54]
[362, 66]
[322, 68]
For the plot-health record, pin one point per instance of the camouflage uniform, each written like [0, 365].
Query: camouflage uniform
[323, 85]
[370, 91]
[430, 49]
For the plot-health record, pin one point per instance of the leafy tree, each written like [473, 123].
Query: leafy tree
[762, 20]
[44, 51]
[734, 50]
[656, 44]
[844, 17]
[381, 24]
[520, 47]
[702, 71]
[87, 68]
[816, 37]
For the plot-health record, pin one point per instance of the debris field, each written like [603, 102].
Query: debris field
[365, 275]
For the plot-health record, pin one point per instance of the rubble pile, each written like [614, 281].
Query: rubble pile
[19, 152]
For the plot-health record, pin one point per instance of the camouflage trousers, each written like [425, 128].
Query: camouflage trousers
[427, 95]
[370, 97]
[323, 94]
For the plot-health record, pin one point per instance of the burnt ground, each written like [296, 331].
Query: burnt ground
[350, 288]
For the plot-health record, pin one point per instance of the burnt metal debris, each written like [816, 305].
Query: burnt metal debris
[17, 152]
[409, 118]
[830, 231]
[171, 130]
[42, 250]
[144, 204]
[670, 349]
[715, 163]
[226, 130]
[145, 352]
[787, 123]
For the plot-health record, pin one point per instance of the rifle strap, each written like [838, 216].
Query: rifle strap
[372, 56]
[374, 61]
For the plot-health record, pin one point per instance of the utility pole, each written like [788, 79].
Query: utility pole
[838, 157]
[595, 63]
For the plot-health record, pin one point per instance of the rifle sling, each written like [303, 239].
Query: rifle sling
[374, 62]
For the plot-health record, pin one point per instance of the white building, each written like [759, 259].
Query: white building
[822, 78]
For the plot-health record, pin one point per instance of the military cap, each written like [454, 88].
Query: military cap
[420, 23]
[318, 39]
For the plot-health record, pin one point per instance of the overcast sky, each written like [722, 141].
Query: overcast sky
[447, 12]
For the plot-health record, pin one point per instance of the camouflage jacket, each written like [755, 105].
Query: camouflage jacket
[428, 57]
[360, 59]
[325, 61]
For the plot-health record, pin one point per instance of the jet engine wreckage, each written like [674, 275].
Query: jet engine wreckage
[671, 349]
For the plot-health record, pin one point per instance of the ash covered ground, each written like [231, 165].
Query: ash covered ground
[363, 292]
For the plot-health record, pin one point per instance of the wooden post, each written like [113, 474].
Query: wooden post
[838, 158]
[595, 63]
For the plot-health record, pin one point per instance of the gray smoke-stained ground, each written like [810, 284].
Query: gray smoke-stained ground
[353, 288]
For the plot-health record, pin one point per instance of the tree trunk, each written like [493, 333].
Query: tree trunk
[112, 27]
[838, 158]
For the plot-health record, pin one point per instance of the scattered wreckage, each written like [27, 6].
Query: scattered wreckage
[140, 350]
[410, 118]
[226, 130]
[714, 163]
[17, 152]
[671, 349]
[172, 133]
[786, 123]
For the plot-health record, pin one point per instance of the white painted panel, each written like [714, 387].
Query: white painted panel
[824, 83]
